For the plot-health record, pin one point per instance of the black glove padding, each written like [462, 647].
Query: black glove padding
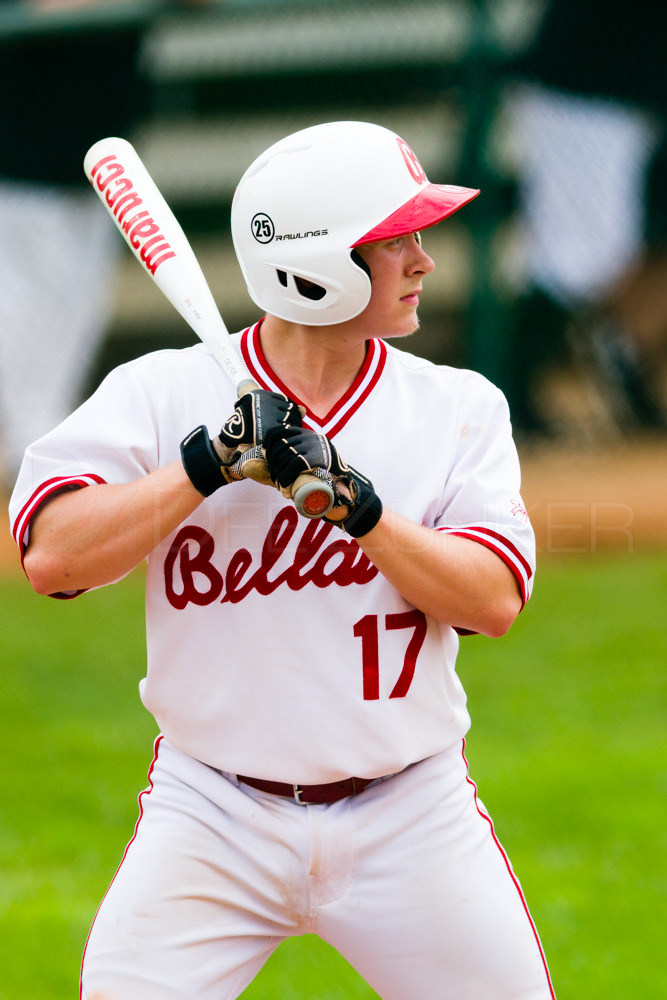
[254, 414]
[236, 452]
[291, 451]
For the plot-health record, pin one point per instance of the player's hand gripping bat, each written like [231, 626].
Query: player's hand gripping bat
[149, 227]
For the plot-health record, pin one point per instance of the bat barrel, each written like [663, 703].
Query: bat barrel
[149, 227]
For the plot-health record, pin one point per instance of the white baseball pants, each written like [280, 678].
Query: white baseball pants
[406, 880]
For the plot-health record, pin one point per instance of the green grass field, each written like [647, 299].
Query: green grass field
[568, 747]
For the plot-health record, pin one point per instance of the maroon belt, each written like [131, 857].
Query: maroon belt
[310, 794]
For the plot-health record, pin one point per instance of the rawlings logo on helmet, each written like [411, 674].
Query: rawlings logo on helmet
[303, 236]
[264, 231]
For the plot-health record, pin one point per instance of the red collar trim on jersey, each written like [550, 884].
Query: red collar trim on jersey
[364, 383]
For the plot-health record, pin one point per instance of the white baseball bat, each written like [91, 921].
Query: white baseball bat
[151, 230]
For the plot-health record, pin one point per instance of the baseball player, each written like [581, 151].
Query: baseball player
[310, 774]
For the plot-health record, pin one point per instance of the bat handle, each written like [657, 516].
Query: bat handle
[313, 495]
[245, 386]
[312, 492]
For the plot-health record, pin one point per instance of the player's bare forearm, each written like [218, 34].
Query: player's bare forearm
[89, 537]
[457, 581]
[452, 579]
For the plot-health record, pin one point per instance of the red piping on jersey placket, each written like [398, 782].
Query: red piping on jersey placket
[146, 791]
[510, 870]
[366, 380]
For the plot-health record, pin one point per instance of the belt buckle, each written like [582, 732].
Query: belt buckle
[298, 792]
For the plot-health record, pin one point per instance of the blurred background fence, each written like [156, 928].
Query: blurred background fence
[553, 283]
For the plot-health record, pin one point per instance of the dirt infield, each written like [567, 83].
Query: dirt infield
[588, 501]
[579, 500]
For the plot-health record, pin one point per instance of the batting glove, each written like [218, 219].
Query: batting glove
[291, 451]
[236, 452]
[254, 414]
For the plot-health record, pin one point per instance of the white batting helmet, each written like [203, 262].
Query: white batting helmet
[303, 206]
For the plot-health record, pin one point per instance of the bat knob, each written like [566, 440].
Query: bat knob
[245, 386]
[312, 497]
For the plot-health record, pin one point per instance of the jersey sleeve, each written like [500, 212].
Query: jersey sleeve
[111, 438]
[482, 499]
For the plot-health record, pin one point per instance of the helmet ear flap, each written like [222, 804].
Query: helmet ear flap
[308, 289]
[360, 262]
[302, 295]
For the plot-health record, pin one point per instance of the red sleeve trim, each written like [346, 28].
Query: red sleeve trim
[46, 491]
[504, 549]
[43, 493]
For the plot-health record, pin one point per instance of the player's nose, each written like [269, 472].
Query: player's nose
[420, 262]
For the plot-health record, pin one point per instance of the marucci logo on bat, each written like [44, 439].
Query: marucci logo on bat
[143, 233]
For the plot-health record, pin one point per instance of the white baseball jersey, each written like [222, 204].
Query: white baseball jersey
[275, 648]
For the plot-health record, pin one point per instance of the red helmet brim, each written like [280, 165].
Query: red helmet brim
[433, 204]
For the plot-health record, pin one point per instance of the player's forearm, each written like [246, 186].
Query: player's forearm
[89, 537]
[457, 581]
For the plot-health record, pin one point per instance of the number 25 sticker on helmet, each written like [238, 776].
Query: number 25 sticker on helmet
[303, 206]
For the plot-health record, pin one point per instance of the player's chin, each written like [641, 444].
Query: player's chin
[404, 329]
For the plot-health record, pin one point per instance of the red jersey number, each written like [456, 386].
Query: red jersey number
[367, 629]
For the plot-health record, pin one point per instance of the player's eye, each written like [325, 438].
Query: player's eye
[404, 241]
